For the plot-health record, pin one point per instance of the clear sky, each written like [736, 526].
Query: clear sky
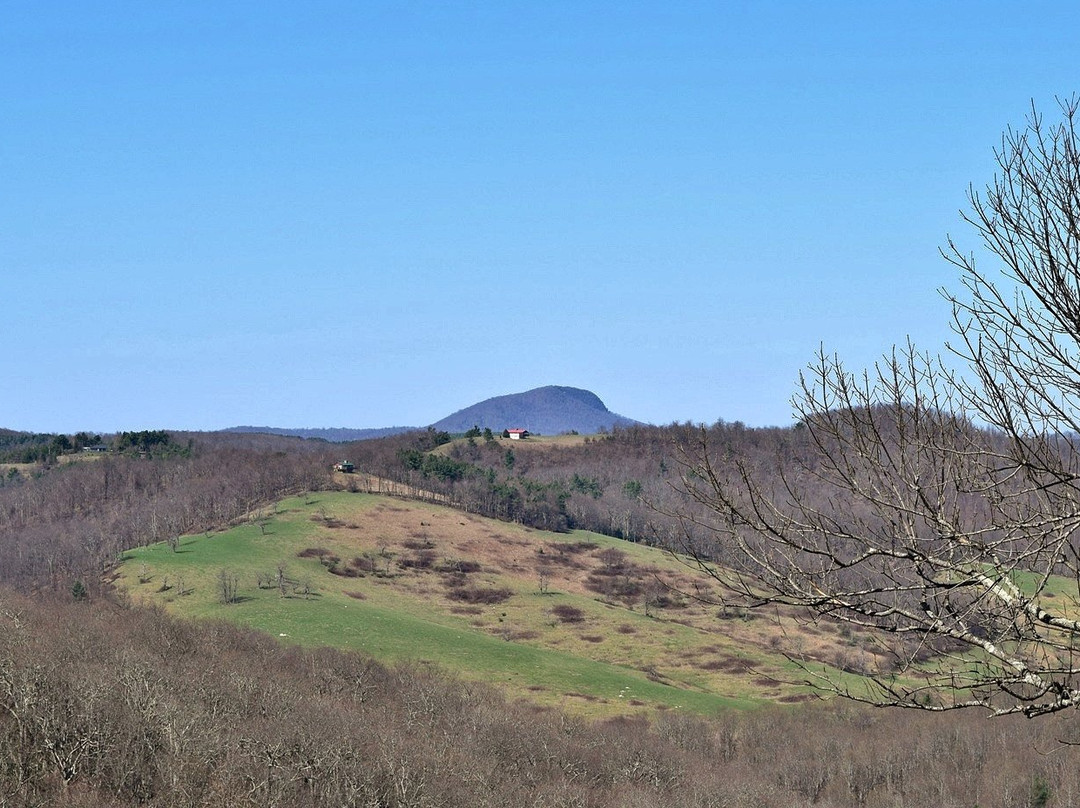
[365, 214]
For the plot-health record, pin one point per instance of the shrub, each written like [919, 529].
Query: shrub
[620, 587]
[423, 560]
[363, 563]
[476, 594]
[344, 572]
[568, 614]
[454, 565]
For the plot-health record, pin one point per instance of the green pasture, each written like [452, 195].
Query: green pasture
[623, 661]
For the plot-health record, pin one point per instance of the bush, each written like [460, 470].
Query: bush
[363, 563]
[476, 594]
[423, 560]
[612, 586]
[568, 614]
[454, 565]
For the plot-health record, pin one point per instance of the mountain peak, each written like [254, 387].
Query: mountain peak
[548, 410]
[586, 397]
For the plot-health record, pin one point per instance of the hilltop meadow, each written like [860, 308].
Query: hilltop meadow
[578, 620]
[221, 619]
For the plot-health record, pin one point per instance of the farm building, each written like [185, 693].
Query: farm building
[517, 434]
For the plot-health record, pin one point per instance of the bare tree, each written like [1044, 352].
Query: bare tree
[227, 586]
[939, 508]
[281, 576]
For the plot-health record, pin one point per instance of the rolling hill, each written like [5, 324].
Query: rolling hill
[576, 620]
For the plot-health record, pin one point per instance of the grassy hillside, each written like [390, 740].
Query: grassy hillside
[578, 620]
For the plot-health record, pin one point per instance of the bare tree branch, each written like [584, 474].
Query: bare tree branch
[939, 507]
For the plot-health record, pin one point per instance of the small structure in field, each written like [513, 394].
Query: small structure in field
[517, 434]
[345, 467]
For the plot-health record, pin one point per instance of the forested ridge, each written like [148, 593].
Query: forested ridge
[103, 703]
[71, 521]
[618, 483]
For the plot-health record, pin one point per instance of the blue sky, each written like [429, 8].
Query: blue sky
[371, 214]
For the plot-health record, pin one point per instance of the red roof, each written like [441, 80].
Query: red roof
[517, 431]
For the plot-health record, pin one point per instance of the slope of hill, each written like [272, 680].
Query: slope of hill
[545, 410]
[577, 620]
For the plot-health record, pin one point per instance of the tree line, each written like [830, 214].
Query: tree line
[30, 447]
[72, 521]
[622, 484]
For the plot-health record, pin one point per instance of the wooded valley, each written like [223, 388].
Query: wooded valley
[107, 703]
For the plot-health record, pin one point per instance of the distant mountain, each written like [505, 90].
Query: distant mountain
[546, 410]
[332, 435]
